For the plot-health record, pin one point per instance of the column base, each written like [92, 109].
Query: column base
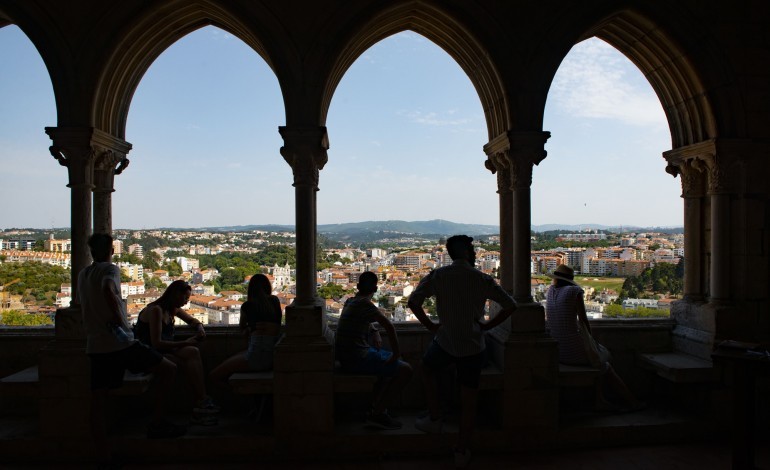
[531, 390]
[65, 390]
[303, 382]
[68, 323]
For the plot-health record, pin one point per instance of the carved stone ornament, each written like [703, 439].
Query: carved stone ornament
[692, 174]
[305, 151]
[521, 174]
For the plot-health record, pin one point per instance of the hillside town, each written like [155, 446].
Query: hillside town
[150, 260]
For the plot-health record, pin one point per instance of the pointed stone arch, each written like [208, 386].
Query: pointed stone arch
[669, 70]
[148, 39]
[442, 29]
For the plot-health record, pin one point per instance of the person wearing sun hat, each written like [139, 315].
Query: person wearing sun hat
[568, 323]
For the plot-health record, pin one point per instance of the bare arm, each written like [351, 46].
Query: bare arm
[112, 297]
[391, 330]
[501, 316]
[190, 320]
[416, 308]
[155, 321]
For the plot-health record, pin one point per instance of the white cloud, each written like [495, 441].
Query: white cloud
[435, 119]
[594, 81]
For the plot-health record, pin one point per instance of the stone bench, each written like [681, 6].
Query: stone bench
[20, 384]
[679, 367]
[492, 378]
[578, 376]
[27, 383]
[252, 383]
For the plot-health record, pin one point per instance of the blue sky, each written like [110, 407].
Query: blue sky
[406, 133]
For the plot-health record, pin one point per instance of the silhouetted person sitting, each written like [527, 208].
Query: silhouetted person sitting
[356, 355]
[568, 323]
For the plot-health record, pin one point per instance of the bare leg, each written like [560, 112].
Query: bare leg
[164, 372]
[468, 398]
[231, 365]
[189, 359]
[431, 392]
[618, 386]
[390, 389]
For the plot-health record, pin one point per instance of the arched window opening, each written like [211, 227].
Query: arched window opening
[34, 274]
[602, 201]
[206, 176]
[406, 132]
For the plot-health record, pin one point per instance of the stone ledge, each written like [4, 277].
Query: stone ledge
[577, 376]
[248, 383]
[23, 383]
[27, 383]
[679, 367]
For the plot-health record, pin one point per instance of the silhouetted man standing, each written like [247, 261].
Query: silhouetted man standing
[461, 293]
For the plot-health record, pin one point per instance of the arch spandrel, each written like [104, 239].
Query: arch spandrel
[147, 39]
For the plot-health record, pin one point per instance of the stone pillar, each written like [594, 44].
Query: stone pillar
[63, 364]
[529, 358]
[304, 359]
[498, 163]
[720, 268]
[693, 191]
[305, 151]
[110, 161]
[72, 149]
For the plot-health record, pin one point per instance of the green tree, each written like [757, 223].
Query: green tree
[38, 246]
[173, 268]
[151, 261]
[331, 291]
[19, 318]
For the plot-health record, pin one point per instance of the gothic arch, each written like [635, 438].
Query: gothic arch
[442, 29]
[148, 38]
[669, 71]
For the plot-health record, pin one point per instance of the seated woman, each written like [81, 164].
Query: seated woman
[261, 321]
[566, 317]
[155, 328]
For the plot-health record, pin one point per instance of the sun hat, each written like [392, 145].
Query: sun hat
[563, 273]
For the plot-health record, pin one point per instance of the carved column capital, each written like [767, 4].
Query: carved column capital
[85, 149]
[304, 149]
[692, 173]
[517, 152]
[499, 165]
[717, 159]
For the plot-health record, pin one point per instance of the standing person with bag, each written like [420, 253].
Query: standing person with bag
[112, 348]
[567, 320]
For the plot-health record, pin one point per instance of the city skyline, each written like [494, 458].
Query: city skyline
[410, 156]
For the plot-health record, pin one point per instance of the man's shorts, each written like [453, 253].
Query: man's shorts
[374, 363]
[468, 367]
[107, 369]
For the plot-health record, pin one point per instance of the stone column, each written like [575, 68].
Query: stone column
[720, 231]
[72, 149]
[63, 364]
[110, 161]
[497, 163]
[304, 359]
[528, 357]
[692, 175]
[305, 151]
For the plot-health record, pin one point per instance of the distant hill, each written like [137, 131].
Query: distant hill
[612, 228]
[427, 227]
